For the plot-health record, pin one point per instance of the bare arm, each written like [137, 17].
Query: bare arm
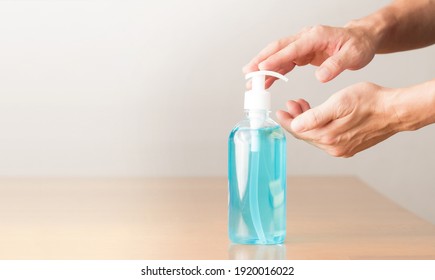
[363, 114]
[360, 116]
[402, 25]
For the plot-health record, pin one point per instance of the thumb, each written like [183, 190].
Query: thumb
[313, 118]
[332, 67]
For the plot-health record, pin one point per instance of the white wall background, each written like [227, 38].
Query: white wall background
[152, 88]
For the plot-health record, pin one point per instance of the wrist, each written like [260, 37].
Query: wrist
[376, 27]
[412, 108]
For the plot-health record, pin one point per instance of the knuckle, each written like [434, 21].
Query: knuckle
[276, 45]
[318, 29]
[354, 52]
[362, 84]
[290, 103]
[373, 86]
[347, 155]
[306, 29]
[314, 117]
[337, 152]
[343, 102]
[367, 85]
[328, 140]
[297, 136]
[334, 63]
[335, 146]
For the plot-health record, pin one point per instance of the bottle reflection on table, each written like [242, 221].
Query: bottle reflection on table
[257, 252]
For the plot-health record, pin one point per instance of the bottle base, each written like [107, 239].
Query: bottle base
[251, 241]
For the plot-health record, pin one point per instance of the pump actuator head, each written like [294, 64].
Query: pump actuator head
[258, 98]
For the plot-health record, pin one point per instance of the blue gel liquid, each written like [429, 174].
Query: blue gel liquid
[257, 186]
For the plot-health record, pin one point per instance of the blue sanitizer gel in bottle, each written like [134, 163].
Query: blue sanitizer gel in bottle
[257, 171]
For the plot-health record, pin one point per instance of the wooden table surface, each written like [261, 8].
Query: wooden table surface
[186, 218]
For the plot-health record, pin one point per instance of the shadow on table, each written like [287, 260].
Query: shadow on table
[257, 252]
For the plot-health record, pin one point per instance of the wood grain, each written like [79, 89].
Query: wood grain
[186, 218]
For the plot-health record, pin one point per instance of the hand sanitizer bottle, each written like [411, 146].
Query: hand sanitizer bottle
[257, 171]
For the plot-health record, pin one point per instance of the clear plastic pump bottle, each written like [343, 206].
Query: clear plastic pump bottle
[257, 171]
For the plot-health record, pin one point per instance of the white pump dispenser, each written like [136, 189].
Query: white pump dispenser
[257, 101]
[257, 170]
[258, 98]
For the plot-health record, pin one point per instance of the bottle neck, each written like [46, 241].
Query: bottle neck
[257, 114]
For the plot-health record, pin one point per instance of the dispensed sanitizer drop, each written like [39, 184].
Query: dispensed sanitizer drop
[257, 170]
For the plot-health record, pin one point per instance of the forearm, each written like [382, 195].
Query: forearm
[414, 107]
[402, 25]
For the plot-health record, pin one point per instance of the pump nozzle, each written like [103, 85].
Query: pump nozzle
[258, 98]
[259, 77]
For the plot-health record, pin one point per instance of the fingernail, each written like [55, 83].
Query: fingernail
[297, 125]
[323, 74]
